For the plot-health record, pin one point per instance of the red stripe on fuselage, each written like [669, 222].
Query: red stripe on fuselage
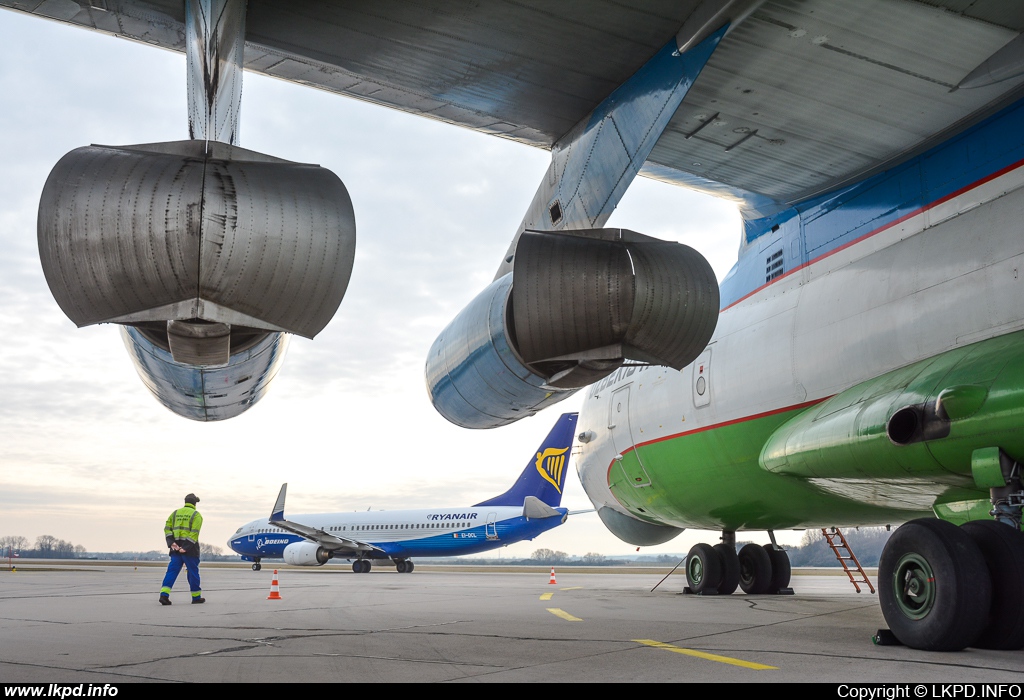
[734, 421]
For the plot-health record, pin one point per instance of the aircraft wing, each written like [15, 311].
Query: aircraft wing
[321, 537]
[799, 97]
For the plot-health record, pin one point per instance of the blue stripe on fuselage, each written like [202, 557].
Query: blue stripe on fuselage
[829, 222]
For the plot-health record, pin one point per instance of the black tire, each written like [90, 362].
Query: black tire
[409, 566]
[730, 568]
[782, 571]
[1003, 550]
[400, 565]
[703, 569]
[357, 566]
[755, 569]
[933, 586]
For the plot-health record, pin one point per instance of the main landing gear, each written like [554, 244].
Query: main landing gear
[718, 570]
[361, 566]
[404, 566]
[944, 588]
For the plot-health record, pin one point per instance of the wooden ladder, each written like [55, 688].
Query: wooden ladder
[831, 535]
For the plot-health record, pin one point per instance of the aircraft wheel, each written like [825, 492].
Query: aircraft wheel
[357, 566]
[1003, 550]
[409, 566]
[400, 565]
[782, 572]
[933, 586]
[703, 568]
[755, 569]
[256, 567]
[366, 566]
[730, 568]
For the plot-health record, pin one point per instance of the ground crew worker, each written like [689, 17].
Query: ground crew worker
[182, 533]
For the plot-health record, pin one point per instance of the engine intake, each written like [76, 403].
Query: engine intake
[575, 307]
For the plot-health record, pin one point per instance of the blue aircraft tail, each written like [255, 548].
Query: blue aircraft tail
[544, 475]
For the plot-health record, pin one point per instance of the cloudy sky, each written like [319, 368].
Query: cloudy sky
[87, 455]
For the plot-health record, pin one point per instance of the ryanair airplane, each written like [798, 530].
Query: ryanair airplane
[526, 510]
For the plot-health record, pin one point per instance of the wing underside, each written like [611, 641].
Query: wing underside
[801, 97]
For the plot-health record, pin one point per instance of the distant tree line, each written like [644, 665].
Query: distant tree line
[867, 544]
[46, 547]
[50, 547]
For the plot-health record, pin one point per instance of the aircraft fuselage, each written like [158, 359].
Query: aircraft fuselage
[914, 266]
[402, 533]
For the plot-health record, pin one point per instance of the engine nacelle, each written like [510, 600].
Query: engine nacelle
[306, 554]
[201, 237]
[575, 307]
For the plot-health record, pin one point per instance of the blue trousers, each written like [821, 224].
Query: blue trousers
[191, 564]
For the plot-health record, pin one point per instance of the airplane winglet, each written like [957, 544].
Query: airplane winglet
[277, 514]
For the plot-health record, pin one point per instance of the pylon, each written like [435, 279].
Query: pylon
[552, 576]
[275, 592]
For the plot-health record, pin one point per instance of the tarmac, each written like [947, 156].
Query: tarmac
[102, 623]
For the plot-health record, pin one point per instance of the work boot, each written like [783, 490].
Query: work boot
[164, 600]
[196, 601]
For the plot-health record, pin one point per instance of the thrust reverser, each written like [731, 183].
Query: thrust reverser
[206, 249]
[575, 307]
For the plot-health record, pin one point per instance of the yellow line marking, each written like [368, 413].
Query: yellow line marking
[705, 655]
[564, 615]
[546, 596]
[572, 588]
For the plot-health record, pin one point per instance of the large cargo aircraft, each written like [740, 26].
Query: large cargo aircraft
[861, 364]
[529, 508]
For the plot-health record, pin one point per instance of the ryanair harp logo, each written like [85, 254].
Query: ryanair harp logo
[551, 465]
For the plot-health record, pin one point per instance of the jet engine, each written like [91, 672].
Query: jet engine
[306, 554]
[207, 251]
[576, 305]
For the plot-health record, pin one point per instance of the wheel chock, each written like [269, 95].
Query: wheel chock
[885, 638]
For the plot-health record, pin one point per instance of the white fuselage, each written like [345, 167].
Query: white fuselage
[944, 277]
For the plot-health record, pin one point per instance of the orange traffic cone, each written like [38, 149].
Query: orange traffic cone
[275, 593]
[552, 576]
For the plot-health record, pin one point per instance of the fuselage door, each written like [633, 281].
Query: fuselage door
[491, 528]
[622, 438]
